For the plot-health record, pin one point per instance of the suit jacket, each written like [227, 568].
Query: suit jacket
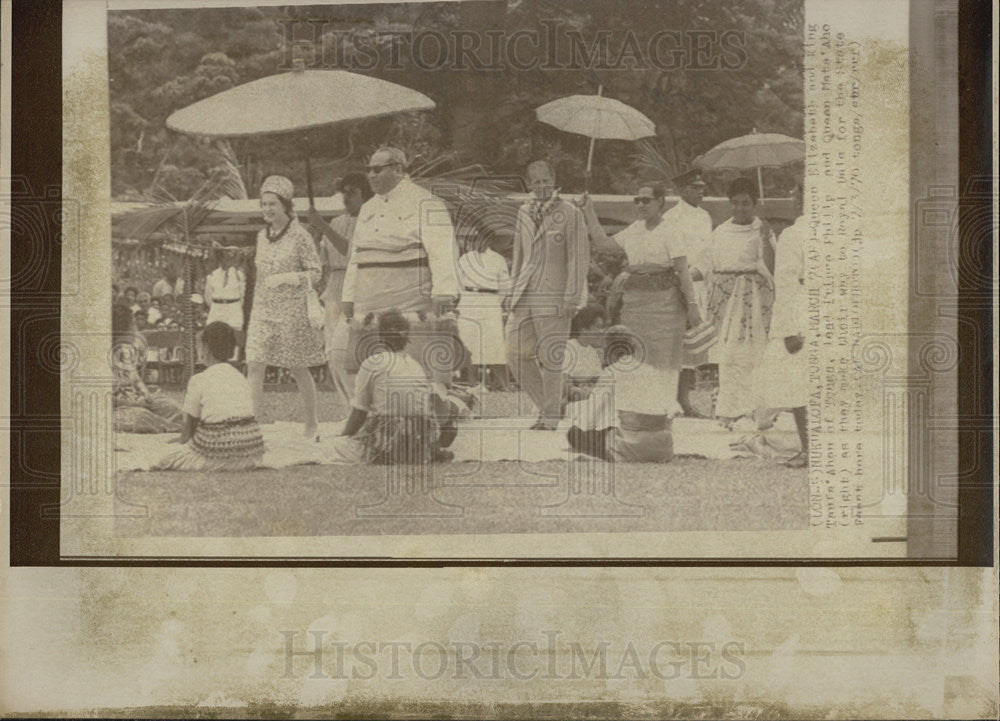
[551, 261]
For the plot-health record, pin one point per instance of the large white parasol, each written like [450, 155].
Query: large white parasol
[597, 117]
[298, 100]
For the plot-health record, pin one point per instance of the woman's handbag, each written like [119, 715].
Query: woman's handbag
[314, 309]
[700, 338]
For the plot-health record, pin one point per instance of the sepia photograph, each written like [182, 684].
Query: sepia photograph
[473, 269]
[499, 359]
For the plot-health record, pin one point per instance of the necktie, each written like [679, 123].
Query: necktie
[536, 214]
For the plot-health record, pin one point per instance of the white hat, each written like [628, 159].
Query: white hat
[279, 185]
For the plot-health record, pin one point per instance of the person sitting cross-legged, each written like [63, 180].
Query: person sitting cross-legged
[137, 408]
[396, 415]
[627, 418]
[220, 432]
[582, 359]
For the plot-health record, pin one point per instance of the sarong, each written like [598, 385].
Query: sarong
[654, 309]
[235, 444]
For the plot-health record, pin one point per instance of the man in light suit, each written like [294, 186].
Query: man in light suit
[549, 284]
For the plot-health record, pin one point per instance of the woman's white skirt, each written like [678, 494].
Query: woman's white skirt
[781, 380]
[480, 326]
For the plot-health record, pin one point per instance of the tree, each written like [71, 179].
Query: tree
[163, 60]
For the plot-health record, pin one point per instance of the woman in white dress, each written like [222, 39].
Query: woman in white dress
[782, 377]
[485, 281]
[740, 296]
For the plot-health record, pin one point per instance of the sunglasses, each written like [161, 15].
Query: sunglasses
[642, 200]
[379, 168]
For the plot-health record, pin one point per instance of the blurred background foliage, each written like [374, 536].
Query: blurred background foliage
[163, 60]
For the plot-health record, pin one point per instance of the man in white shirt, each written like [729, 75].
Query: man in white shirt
[334, 253]
[224, 290]
[690, 227]
[403, 256]
[169, 284]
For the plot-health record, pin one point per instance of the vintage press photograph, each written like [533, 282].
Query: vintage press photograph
[459, 268]
[495, 279]
[499, 359]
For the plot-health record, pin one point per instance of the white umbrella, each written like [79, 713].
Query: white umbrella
[298, 100]
[596, 117]
[756, 150]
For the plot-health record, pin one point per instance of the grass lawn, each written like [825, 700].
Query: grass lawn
[504, 497]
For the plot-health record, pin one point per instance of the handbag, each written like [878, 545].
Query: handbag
[700, 338]
[314, 309]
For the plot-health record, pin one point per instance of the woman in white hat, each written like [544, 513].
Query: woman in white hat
[279, 333]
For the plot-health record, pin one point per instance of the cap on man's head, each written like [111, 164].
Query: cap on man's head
[691, 177]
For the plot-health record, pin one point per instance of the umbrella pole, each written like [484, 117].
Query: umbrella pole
[590, 159]
[590, 152]
[309, 183]
[760, 183]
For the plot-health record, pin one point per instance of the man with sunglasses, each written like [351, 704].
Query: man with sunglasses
[403, 257]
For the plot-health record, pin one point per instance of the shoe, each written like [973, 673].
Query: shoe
[799, 460]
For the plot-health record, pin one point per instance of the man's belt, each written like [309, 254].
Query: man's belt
[415, 263]
[736, 272]
[226, 300]
[480, 290]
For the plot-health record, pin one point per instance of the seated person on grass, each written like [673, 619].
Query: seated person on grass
[220, 432]
[582, 358]
[627, 418]
[396, 417]
[137, 409]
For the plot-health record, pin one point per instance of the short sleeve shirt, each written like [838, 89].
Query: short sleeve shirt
[392, 380]
[218, 393]
[581, 361]
[644, 246]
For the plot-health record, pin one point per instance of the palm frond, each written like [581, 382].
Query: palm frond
[231, 179]
[650, 160]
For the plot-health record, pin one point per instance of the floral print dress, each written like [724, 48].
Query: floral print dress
[279, 333]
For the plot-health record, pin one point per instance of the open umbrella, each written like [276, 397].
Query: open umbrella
[756, 150]
[597, 117]
[298, 100]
